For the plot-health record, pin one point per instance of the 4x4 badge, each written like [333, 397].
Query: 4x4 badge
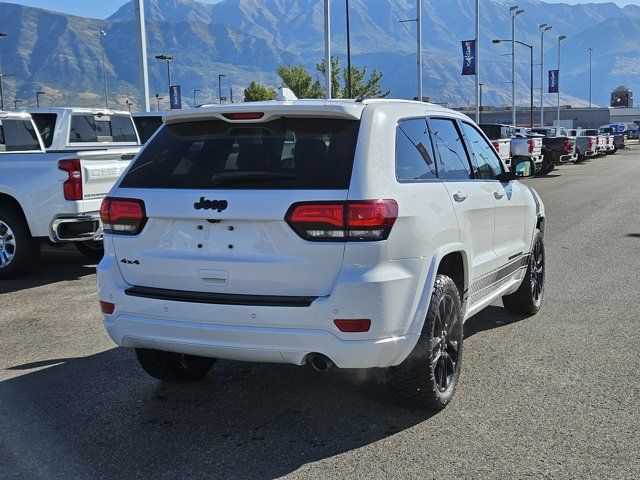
[218, 205]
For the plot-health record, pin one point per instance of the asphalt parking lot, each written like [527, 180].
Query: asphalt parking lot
[551, 396]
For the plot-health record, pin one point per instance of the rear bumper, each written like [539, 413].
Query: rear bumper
[571, 157]
[76, 228]
[277, 334]
[590, 153]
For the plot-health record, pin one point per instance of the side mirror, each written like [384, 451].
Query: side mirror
[521, 167]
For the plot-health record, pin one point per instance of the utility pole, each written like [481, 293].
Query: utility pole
[195, 104]
[142, 54]
[590, 77]
[349, 84]
[477, 54]
[543, 28]
[515, 11]
[560, 39]
[327, 50]
[2, 35]
[102, 33]
[220, 77]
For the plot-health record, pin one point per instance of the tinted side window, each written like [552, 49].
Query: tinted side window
[92, 129]
[414, 153]
[485, 160]
[453, 162]
[18, 136]
[46, 123]
[122, 129]
[147, 126]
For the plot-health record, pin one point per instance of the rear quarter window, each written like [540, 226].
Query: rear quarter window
[18, 136]
[46, 123]
[286, 153]
[102, 129]
[414, 152]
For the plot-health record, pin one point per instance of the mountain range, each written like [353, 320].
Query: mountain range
[247, 40]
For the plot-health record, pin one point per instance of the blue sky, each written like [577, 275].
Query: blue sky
[104, 8]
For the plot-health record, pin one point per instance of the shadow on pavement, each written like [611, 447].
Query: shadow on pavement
[54, 265]
[490, 318]
[102, 417]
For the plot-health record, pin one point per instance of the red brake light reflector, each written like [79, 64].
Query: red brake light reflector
[353, 326]
[106, 307]
[122, 216]
[243, 116]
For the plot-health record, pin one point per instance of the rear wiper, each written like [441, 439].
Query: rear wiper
[251, 177]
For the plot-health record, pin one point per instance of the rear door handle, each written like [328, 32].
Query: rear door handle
[498, 194]
[459, 197]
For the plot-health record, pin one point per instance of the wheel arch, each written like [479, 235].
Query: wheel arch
[7, 200]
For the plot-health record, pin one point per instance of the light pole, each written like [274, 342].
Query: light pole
[560, 39]
[195, 104]
[590, 76]
[142, 54]
[327, 50]
[102, 33]
[530, 47]
[15, 104]
[514, 11]
[220, 77]
[543, 28]
[158, 98]
[2, 35]
[38, 98]
[129, 103]
[480, 85]
[418, 21]
[349, 84]
[168, 59]
[477, 53]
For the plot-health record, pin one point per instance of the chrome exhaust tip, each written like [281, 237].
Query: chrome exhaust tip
[320, 362]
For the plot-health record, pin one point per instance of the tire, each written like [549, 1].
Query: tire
[422, 380]
[547, 166]
[93, 249]
[173, 367]
[18, 249]
[528, 298]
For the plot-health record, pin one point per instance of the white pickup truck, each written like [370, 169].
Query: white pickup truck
[511, 142]
[52, 183]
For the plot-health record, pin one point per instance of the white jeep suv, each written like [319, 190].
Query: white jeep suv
[353, 234]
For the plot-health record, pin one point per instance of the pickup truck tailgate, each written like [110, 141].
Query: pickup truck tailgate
[101, 169]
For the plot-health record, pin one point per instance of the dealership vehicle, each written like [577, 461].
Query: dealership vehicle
[367, 244]
[558, 147]
[619, 140]
[602, 145]
[500, 136]
[528, 146]
[585, 144]
[51, 187]
[147, 123]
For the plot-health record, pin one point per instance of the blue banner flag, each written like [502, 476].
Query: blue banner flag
[175, 96]
[554, 81]
[469, 57]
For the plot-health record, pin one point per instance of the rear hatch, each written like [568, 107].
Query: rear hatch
[216, 194]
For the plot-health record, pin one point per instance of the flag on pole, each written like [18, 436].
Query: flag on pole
[468, 57]
[554, 81]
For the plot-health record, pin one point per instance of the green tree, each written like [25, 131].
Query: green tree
[257, 92]
[363, 87]
[300, 81]
[336, 89]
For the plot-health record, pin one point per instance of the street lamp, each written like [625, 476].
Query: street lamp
[158, 98]
[480, 85]
[102, 33]
[560, 39]
[168, 59]
[514, 11]
[543, 28]
[530, 47]
[128, 103]
[590, 76]
[15, 103]
[220, 77]
[2, 35]
[349, 83]
[195, 104]
[418, 20]
[38, 98]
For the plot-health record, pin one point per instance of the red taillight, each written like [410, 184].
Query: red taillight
[531, 145]
[243, 116]
[567, 145]
[496, 145]
[367, 220]
[73, 186]
[122, 216]
[352, 326]
[106, 307]
[591, 144]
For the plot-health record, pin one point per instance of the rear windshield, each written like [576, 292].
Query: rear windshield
[18, 136]
[46, 123]
[147, 126]
[102, 128]
[286, 153]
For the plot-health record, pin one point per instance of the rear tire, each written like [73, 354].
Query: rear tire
[173, 367]
[92, 249]
[18, 249]
[528, 298]
[428, 377]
